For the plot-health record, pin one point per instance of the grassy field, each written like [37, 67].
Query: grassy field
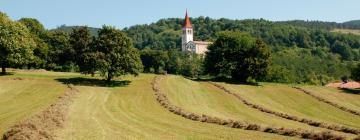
[341, 97]
[24, 97]
[347, 31]
[284, 98]
[130, 111]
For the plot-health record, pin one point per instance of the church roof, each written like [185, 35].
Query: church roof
[187, 23]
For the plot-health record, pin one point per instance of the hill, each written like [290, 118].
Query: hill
[133, 112]
[353, 24]
[68, 29]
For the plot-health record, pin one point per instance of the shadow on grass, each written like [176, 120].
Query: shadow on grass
[225, 80]
[7, 73]
[80, 81]
[351, 91]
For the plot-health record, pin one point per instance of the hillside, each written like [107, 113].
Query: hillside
[68, 29]
[131, 111]
[347, 31]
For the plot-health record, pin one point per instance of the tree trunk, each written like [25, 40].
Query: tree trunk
[109, 77]
[3, 69]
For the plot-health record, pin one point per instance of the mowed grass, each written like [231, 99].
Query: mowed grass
[204, 98]
[132, 112]
[347, 31]
[20, 99]
[284, 98]
[338, 96]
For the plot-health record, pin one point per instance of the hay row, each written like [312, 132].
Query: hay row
[310, 122]
[44, 124]
[329, 102]
[164, 102]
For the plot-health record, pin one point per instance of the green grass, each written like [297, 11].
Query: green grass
[341, 97]
[130, 111]
[20, 99]
[283, 98]
[204, 98]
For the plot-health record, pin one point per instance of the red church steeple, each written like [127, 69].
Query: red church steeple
[187, 23]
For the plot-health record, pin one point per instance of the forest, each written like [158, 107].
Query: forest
[301, 51]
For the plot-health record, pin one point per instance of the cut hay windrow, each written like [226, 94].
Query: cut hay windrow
[44, 124]
[164, 102]
[310, 122]
[328, 102]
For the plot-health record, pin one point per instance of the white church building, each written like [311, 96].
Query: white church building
[188, 43]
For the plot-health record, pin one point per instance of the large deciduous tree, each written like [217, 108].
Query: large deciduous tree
[81, 42]
[119, 57]
[16, 43]
[39, 34]
[238, 55]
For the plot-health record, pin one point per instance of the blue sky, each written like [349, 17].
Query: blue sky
[124, 13]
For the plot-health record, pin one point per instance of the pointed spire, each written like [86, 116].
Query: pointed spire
[187, 23]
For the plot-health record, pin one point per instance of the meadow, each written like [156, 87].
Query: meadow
[130, 110]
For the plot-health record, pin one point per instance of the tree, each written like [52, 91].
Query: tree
[16, 44]
[154, 59]
[62, 55]
[343, 49]
[39, 34]
[81, 42]
[119, 56]
[238, 55]
[355, 73]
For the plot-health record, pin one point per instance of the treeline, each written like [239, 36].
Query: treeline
[302, 52]
[27, 44]
[299, 53]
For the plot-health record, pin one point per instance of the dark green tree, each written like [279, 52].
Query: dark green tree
[154, 59]
[16, 43]
[62, 55]
[120, 57]
[81, 42]
[238, 55]
[355, 73]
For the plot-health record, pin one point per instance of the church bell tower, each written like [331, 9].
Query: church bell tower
[187, 34]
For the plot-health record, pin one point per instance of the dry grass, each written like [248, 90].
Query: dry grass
[43, 125]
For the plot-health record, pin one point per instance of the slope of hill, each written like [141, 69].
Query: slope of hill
[284, 98]
[25, 96]
[347, 31]
[132, 112]
[68, 29]
[353, 24]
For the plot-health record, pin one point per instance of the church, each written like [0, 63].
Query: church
[188, 44]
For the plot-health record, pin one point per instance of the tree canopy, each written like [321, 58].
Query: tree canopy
[16, 43]
[238, 55]
[118, 56]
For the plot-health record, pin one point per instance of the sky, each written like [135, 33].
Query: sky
[125, 13]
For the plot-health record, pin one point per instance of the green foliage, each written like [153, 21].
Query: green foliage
[68, 29]
[300, 65]
[85, 58]
[39, 34]
[355, 73]
[62, 55]
[154, 59]
[16, 43]
[237, 55]
[119, 57]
